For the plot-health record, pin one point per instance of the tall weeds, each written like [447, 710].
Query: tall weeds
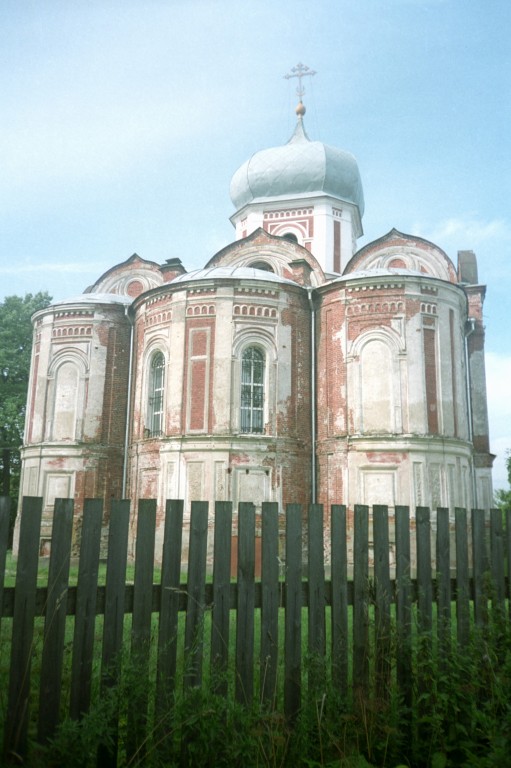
[460, 715]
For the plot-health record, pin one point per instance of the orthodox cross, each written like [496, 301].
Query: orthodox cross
[300, 71]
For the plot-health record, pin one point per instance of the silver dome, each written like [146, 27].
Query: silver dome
[299, 168]
[230, 272]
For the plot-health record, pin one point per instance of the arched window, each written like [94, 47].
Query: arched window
[66, 401]
[376, 387]
[262, 265]
[252, 390]
[155, 400]
[290, 236]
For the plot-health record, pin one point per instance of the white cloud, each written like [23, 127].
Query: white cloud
[68, 267]
[468, 230]
[498, 376]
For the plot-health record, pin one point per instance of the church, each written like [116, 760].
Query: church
[293, 367]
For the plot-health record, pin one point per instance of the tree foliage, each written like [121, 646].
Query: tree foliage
[15, 352]
[503, 497]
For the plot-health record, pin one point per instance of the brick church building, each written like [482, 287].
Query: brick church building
[292, 367]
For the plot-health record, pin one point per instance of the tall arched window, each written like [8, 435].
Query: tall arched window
[66, 401]
[376, 387]
[252, 390]
[155, 400]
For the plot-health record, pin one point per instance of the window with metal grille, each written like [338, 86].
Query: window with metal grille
[156, 388]
[252, 390]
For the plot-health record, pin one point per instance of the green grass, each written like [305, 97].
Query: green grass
[42, 572]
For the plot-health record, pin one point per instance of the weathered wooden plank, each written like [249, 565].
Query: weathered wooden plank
[424, 581]
[293, 615]
[382, 599]
[497, 562]
[141, 628]
[443, 579]
[194, 624]
[16, 721]
[480, 567]
[5, 515]
[269, 602]
[85, 610]
[55, 619]
[508, 557]
[143, 580]
[339, 598]
[316, 612]
[114, 588]
[404, 605]
[360, 600]
[462, 579]
[424, 618]
[171, 596]
[244, 674]
[220, 623]
[114, 612]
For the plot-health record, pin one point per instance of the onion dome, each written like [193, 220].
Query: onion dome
[300, 168]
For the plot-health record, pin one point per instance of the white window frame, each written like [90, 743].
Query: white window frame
[252, 390]
[156, 394]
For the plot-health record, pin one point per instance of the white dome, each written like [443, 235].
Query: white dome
[96, 298]
[299, 168]
[233, 272]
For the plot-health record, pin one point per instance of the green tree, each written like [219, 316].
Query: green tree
[503, 497]
[15, 352]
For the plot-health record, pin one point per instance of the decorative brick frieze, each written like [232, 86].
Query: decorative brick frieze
[66, 313]
[158, 318]
[384, 307]
[67, 331]
[252, 310]
[200, 309]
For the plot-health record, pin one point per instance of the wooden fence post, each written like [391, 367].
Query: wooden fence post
[424, 586]
[293, 616]
[244, 674]
[443, 576]
[55, 619]
[194, 623]
[220, 619]
[508, 557]
[269, 602]
[497, 563]
[360, 601]
[16, 721]
[382, 600]
[462, 579]
[170, 592]
[480, 567]
[85, 614]
[404, 606]
[114, 615]
[316, 612]
[339, 598]
[141, 629]
[424, 618]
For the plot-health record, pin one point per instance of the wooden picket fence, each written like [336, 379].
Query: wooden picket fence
[353, 611]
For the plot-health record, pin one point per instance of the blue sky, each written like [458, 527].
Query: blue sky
[124, 120]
